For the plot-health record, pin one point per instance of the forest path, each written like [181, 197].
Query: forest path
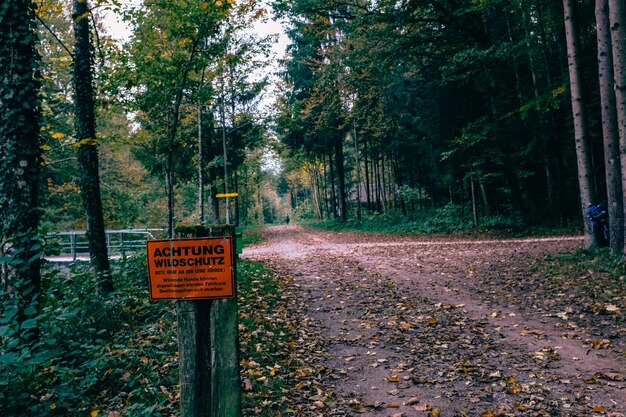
[446, 326]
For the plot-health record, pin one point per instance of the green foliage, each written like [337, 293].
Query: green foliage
[251, 235]
[449, 219]
[113, 354]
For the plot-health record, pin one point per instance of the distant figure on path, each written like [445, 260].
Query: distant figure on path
[287, 218]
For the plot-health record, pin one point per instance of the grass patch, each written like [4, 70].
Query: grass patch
[251, 235]
[448, 220]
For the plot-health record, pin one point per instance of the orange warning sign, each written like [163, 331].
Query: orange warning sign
[190, 269]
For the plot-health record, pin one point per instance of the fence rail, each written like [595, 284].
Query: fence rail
[74, 245]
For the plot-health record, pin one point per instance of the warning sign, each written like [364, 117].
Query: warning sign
[190, 268]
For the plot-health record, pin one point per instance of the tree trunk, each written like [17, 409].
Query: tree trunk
[341, 177]
[609, 129]
[367, 179]
[333, 192]
[617, 16]
[581, 133]
[20, 157]
[87, 147]
[357, 165]
[200, 168]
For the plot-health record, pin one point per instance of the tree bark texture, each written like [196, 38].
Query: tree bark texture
[208, 343]
[610, 132]
[87, 147]
[20, 152]
[581, 133]
[341, 177]
[617, 17]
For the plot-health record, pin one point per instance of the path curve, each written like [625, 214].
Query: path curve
[411, 325]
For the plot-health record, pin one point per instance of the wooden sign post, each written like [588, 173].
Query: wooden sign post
[198, 268]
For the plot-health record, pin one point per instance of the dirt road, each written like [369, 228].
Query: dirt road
[454, 327]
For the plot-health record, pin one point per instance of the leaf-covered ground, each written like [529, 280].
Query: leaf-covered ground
[386, 326]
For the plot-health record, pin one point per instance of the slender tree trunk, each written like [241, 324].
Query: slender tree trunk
[610, 132]
[473, 195]
[341, 177]
[357, 165]
[200, 168]
[581, 133]
[215, 204]
[367, 178]
[617, 16]
[87, 147]
[333, 193]
[20, 159]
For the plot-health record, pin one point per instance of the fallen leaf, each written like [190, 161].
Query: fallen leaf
[411, 401]
[600, 344]
[393, 378]
[598, 410]
[247, 384]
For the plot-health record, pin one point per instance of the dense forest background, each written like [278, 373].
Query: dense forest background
[456, 109]
[415, 106]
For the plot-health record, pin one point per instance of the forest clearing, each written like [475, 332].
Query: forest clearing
[450, 327]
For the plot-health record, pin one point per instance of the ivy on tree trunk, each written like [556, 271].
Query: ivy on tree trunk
[20, 157]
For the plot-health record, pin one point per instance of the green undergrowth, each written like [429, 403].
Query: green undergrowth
[117, 355]
[95, 355]
[446, 220]
[251, 235]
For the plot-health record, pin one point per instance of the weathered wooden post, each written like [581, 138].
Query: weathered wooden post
[198, 268]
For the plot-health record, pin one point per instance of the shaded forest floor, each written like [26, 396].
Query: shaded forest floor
[411, 326]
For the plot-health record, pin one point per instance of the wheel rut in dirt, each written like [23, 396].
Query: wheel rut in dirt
[413, 326]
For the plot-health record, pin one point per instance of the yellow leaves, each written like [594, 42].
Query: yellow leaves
[58, 135]
[600, 344]
[144, 359]
[393, 378]
[488, 413]
[53, 406]
[558, 91]
[86, 142]
[94, 413]
[204, 5]
[512, 386]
